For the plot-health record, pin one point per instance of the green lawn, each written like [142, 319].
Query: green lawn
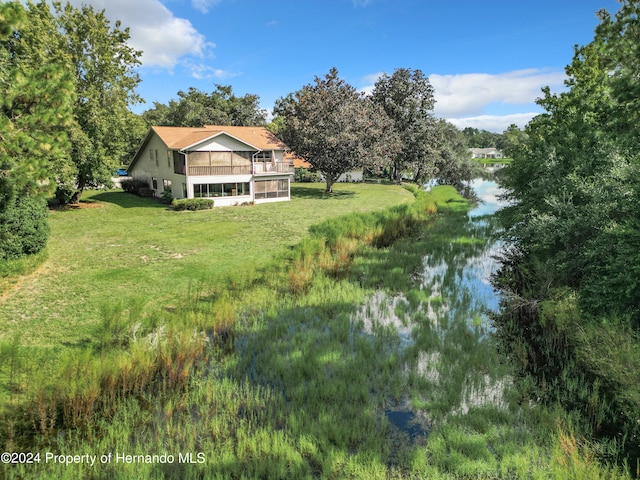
[126, 248]
[493, 161]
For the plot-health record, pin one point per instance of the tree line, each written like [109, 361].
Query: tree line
[393, 131]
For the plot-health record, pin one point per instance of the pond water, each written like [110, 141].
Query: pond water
[445, 337]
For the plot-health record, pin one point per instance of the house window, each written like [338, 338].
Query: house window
[184, 191]
[220, 189]
[154, 183]
[166, 185]
[169, 158]
[271, 188]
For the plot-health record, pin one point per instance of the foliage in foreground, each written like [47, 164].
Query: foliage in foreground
[67, 85]
[570, 317]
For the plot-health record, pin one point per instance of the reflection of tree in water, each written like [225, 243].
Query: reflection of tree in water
[447, 348]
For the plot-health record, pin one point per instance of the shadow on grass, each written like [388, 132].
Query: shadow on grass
[329, 381]
[319, 193]
[128, 200]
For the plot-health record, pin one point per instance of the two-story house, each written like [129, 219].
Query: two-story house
[232, 165]
[486, 153]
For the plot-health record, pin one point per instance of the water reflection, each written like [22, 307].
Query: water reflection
[446, 341]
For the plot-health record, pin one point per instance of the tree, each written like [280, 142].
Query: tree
[407, 98]
[37, 93]
[451, 162]
[570, 315]
[36, 97]
[481, 138]
[105, 81]
[196, 108]
[512, 139]
[337, 129]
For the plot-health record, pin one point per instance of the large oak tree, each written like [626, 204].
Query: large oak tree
[103, 66]
[337, 129]
[407, 97]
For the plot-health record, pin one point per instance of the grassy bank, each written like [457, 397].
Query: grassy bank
[285, 371]
[493, 161]
[124, 249]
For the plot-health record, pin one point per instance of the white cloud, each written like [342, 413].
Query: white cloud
[370, 81]
[201, 71]
[204, 5]
[470, 100]
[469, 94]
[493, 123]
[163, 38]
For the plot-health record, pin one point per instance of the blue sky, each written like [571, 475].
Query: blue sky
[487, 60]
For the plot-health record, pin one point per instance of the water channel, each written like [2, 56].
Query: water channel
[446, 345]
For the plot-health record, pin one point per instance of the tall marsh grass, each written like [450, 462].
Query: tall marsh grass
[271, 375]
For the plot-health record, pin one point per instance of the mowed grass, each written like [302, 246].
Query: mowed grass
[120, 248]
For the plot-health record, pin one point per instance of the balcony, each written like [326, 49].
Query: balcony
[259, 168]
[268, 168]
[226, 170]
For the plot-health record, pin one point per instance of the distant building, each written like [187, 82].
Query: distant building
[486, 153]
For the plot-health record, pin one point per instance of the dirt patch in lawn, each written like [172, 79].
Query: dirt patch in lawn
[76, 206]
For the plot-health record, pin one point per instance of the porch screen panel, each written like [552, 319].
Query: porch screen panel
[220, 159]
[271, 188]
[199, 159]
[241, 158]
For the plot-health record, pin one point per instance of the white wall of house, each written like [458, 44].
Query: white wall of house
[156, 162]
[352, 176]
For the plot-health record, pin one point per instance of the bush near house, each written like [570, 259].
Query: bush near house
[134, 185]
[192, 204]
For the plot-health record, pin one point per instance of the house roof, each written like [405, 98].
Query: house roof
[485, 150]
[298, 162]
[182, 138]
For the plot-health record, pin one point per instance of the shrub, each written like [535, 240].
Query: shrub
[192, 204]
[23, 227]
[167, 196]
[305, 176]
[66, 194]
[134, 185]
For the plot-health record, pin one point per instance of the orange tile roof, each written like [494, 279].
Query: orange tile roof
[184, 137]
[298, 162]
